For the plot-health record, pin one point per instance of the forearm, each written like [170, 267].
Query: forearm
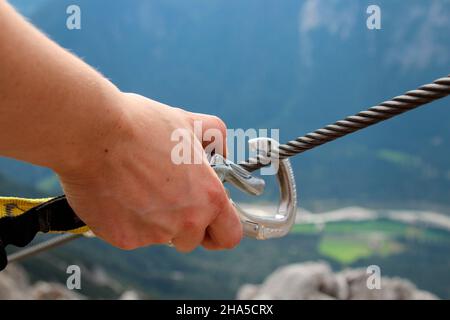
[112, 151]
[52, 104]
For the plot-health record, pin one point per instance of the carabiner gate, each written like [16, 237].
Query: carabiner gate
[258, 226]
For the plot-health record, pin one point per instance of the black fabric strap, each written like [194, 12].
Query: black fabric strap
[53, 216]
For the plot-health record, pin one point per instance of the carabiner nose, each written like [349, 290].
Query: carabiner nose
[258, 226]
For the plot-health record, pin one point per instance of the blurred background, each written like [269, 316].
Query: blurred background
[381, 196]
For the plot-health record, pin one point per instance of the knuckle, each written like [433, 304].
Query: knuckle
[191, 223]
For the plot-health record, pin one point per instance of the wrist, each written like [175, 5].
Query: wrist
[91, 134]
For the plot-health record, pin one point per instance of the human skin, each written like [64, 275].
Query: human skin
[111, 150]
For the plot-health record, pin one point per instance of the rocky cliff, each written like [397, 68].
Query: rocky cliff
[15, 284]
[316, 280]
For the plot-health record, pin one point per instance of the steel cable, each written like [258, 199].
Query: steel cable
[384, 111]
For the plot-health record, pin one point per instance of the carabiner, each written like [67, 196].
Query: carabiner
[257, 226]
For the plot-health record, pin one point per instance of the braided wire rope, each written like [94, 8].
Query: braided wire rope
[440, 88]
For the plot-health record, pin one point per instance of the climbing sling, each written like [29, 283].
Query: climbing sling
[22, 219]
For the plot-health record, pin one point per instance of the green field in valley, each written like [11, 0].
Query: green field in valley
[347, 242]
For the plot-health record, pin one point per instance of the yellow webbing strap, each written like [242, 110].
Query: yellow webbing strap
[13, 207]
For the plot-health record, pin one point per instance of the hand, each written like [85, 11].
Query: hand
[130, 193]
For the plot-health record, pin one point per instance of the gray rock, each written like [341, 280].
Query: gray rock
[248, 292]
[53, 291]
[14, 284]
[316, 280]
[296, 281]
[130, 295]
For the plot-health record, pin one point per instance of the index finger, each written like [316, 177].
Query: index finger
[212, 133]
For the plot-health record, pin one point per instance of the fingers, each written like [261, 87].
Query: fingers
[190, 237]
[225, 232]
[215, 224]
[213, 133]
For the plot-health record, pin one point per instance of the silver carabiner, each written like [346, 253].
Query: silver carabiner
[258, 226]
